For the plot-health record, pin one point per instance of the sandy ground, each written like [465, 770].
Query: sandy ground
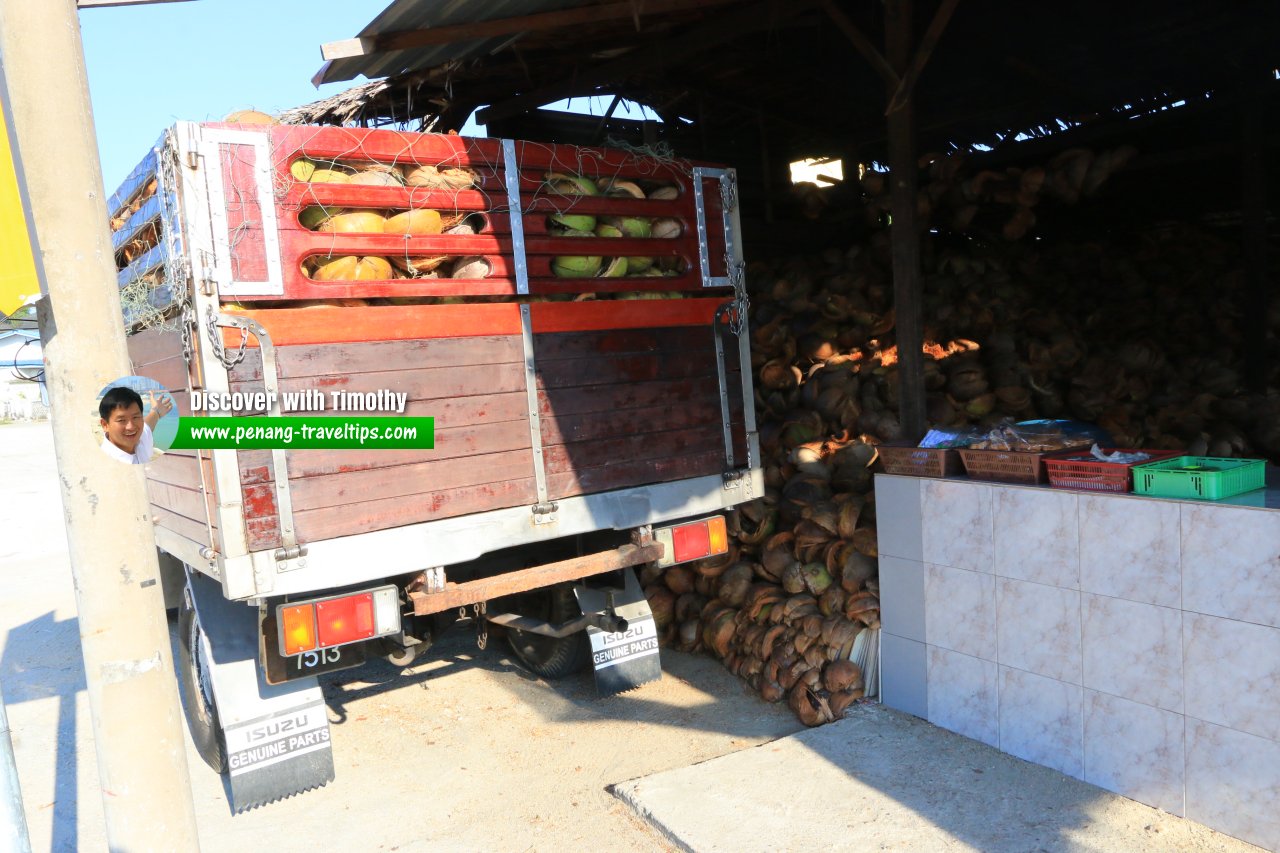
[465, 751]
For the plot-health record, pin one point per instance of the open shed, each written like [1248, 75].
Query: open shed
[1176, 100]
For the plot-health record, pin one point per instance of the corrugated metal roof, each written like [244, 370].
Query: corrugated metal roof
[405, 15]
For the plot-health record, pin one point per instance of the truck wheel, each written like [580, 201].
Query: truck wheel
[549, 657]
[196, 686]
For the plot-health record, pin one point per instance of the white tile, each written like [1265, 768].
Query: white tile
[1036, 537]
[1233, 674]
[1133, 650]
[1233, 783]
[898, 517]
[902, 598]
[903, 668]
[960, 610]
[1038, 629]
[1134, 750]
[1041, 720]
[1129, 549]
[962, 695]
[1231, 563]
[956, 518]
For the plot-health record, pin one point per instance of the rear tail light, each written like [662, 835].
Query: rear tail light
[692, 540]
[323, 623]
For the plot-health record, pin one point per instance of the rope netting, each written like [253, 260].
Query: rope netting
[461, 191]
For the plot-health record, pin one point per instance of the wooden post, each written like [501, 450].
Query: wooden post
[903, 234]
[1253, 210]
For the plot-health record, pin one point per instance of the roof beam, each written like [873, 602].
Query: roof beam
[923, 51]
[408, 39]
[701, 38]
[862, 43]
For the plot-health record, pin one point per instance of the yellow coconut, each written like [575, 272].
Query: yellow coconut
[355, 222]
[668, 193]
[250, 117]
[418, 221]
[303, 168]
[619, 188]
[352, 268]
[329, 176]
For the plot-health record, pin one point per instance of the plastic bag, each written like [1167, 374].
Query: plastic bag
[1041, 436]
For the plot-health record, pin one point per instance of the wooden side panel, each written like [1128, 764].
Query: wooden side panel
[474, 388]
[178, 502]
[633, 406]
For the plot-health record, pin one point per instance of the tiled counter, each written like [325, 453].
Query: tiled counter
[1128, 641]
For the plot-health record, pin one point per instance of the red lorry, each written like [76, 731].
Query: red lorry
[572, 318]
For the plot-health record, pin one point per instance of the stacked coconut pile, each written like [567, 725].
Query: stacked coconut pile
[1140, 336]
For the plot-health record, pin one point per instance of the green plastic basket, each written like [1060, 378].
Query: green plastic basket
[1206, 477]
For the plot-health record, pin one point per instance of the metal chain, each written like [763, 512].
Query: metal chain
[729, 191]
[741, 302]
[215, 340]
[185, 321]
[482, 624]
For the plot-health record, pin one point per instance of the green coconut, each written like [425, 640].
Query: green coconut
[616, 268]
[312, 218]
[569, 185]
[607, 230]
[576, 266]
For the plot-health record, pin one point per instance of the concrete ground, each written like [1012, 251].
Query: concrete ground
[884, 780]
[465, 751]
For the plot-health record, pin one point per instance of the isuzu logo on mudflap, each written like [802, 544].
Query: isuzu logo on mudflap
[262, 743]
[637, 641]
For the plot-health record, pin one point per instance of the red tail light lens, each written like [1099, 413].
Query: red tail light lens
[691, 542]
[343, 620]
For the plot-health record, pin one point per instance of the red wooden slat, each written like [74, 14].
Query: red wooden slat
[549, 317]
[331, 324]
[366, 356]
[190, 528]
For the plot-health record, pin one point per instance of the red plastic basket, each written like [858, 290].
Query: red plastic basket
[1077, 469]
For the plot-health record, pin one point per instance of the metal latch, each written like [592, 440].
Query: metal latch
[545, 512]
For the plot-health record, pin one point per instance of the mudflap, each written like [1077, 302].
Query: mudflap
[626, 659]
[277, 736]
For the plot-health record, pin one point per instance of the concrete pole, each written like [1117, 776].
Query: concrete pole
[13, 821]
[137, 722]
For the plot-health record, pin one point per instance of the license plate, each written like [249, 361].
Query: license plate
[279, 669]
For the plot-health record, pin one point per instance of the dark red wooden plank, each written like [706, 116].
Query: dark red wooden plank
[611, 370]
[366, 516]
[404, 481]
[633, 473]
[438, 383]
[370, 356]
[595, 426]
[450, 444]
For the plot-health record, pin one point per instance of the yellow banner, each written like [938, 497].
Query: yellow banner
[17, 267]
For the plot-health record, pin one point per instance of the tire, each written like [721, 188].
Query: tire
[197, 691]
[549, 657]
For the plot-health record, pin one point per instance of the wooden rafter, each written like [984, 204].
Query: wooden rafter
[594, 13]
[703, 37]
[861, 42]
[922, 54]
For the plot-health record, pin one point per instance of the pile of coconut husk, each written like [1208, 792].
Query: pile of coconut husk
[1140, 334]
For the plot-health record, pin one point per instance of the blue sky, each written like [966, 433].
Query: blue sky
[152, 65]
